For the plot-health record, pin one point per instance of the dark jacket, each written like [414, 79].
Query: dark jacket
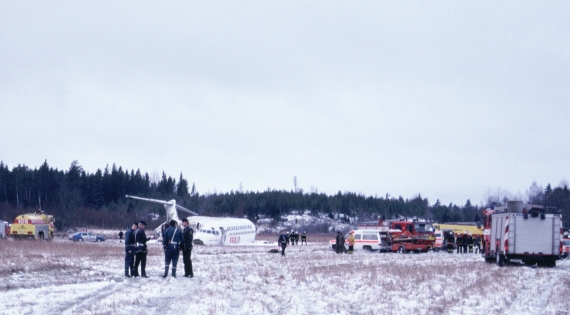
[140, 240]
[476, 241]
[130, 238]
[282, 240]
[340, 242]
[172, 238]
[188, 234]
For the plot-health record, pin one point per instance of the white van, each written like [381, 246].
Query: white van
[363, 239]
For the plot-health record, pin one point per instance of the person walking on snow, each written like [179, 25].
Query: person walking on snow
[282, 241]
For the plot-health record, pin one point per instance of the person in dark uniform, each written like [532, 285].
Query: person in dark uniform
[304, 238]
[121, 236]
[130, 251]
[188, 235]
[458, 240]
[339, 243]
[171, 243]
[477, 244]
[283, 241]
[464, 243]
[141, 250]
[449, 239]
[470, 243]
[292, 238]
[296, 237]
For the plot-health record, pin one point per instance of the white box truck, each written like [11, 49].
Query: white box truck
[527, 233]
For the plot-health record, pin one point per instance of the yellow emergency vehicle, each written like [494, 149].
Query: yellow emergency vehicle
[37, 225]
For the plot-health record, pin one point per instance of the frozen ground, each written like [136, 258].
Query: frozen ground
[86, 278]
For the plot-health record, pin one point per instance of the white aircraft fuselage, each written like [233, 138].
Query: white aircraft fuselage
[208, 230]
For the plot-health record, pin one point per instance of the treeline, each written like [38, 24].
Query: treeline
[80, 198]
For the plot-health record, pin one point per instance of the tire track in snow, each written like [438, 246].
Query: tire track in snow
[296, 295]
[309, 301]
[543, 297]
[236, 299]
[537, 305]
[72, 306]
[169, 300]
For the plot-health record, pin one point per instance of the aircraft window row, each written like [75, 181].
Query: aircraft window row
[241, 227]
[210, 232]
[241, 233]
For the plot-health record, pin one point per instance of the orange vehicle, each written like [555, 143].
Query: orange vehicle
[411, 244]
[406, 236]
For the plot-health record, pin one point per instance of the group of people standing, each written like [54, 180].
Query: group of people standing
[136, 250]
[174, 240]
[464, 243]
[340, 241]
[292, 238]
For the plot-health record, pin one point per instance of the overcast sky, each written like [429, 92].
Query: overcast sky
[445, 99]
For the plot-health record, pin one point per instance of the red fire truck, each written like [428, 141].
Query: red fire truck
[405, 236]
[521, 232]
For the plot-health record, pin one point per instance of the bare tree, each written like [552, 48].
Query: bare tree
[498, 197]
[535, 194]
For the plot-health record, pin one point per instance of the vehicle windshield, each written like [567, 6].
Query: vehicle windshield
[424, 227]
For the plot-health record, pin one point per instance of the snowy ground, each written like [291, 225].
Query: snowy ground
[86, 278]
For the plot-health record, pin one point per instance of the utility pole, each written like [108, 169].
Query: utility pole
[295, 182]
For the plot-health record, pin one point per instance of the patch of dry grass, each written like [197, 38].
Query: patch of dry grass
[24, 260]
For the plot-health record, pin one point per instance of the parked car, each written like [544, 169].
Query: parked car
[86, 237]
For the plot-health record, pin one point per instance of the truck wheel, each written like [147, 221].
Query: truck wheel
[547, 263]
[369, 248]
[499, 258]
[402, 250]
[81, 240]
[552, 264]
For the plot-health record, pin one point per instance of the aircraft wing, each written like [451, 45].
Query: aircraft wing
[186, 210]
[164, 202]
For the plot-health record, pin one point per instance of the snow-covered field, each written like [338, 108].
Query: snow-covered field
[86, 278]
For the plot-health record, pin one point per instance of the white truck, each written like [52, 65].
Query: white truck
[519, 232]
[4, 229]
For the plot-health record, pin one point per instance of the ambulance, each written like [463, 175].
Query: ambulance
[371, 240]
